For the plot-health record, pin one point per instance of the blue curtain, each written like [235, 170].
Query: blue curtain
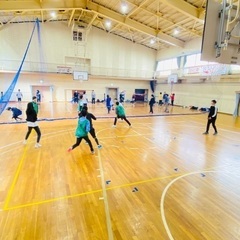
[7, 95]
[236, 111]
[153, 84]
[184, 60]
[179, 62]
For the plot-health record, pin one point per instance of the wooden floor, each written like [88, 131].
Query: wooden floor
[161, 179]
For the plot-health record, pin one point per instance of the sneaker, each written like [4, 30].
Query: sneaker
[99, 146]
[37, 145]
[86, 142]
[130, 126]
[24, 142]
[70, 149]
[113, 126]
[92, 152]
[205, 133]
[215, 133]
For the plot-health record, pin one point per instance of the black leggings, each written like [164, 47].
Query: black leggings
[151, 109]
[37, 130]
[78, 141]
[93, 134]
[211, 121]
[123, 118]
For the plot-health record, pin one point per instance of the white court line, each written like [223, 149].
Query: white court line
[136, 132]
[150, 140]
[52, 134]
[97, 132]
[47, 134]
[121, 136]
[163, 199]
[114, 146]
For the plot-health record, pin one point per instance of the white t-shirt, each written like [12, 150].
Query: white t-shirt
[84, 99]
[32, 124]
[19, 94]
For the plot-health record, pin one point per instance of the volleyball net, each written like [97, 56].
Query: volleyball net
[7, 95]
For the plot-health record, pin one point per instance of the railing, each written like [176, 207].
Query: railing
[204, 70]
[8, 65]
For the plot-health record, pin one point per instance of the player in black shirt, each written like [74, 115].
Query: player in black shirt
[90, 116]
[212, 116]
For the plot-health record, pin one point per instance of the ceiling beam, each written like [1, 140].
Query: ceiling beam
[79, 17]
[70, 19]
[22, 5]
[115, 27]
[160, 16]
[186, 8]
[105, 12]
[92, 7]
[92, 20]
[137, 7]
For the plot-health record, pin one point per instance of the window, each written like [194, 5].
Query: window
[194, 66]
[167, 64]
[77, 36]
[164, 67]
[195, 60]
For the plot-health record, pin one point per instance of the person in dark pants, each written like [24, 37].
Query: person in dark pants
[160, 102]
[89, 117]
[39, 96]
[172, 97]
[81, 132]
[108, 103]
[151, 103]
[212, 116]
[120, 112]
[75, 97]
[93, 97]
[19, 95]
[31, 112]
[16, 112]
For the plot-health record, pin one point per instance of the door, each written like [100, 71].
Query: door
[46, 92]
[113, 93]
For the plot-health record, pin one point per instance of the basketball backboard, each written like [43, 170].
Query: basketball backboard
[221, 34]
[80, 75]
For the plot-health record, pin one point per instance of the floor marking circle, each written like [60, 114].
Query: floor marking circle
[163, 198]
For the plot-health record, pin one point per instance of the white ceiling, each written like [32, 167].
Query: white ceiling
[144, 20]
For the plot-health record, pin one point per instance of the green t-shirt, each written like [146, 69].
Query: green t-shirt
[83, 127]
[120, 111]
[35, 107]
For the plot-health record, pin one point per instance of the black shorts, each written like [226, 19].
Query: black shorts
[122, 117]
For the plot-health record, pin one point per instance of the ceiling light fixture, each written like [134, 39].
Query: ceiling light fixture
[176, 32]
[124, 7]
[53, 14]
[108, 24]
[152, 41]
